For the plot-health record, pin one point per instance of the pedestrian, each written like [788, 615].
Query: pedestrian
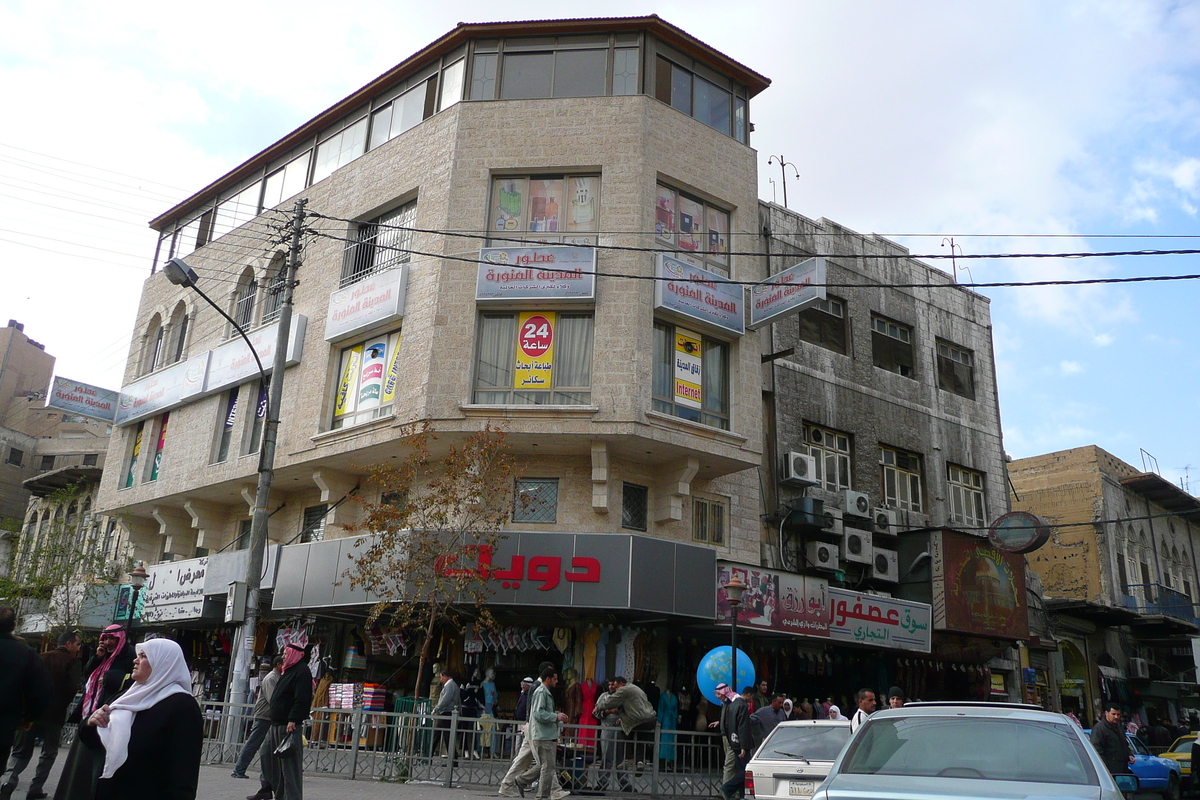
[610, 731]
[24, 683]
[1110, 742]
[106, 674]
[522, 712]
[770, 715]
[735, 734]
[638, 719]
[836, 714]
[896, 697]
[150, 738]
[65, 674]
[525, 768]
[262, 720]
[866, 707]
[290, 704]
[762, 698]
[544, 729]
[449, 702]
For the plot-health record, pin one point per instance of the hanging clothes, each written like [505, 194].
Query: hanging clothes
[587, 692]
[668, 719]
[590, 638]
[602, 675]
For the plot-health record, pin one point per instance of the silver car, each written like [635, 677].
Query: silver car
[970, 750]
[794, 759]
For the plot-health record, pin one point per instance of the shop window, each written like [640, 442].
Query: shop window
[534, 358]
[287, 181]
[367, 378]
[132, 452]
[90, 459]
[225, 425]
[154, 467]
[536, 500]
[697, 230]
[709, 520]
[253, 437]
[244, 298]
[695, 96]
[313, 526]
[966, 496]
[340, 149]
[955, 369]
[179, 330]
[901, 478]
[824, 325]
[15, 457]
[831, 450]
[555, 209]
[635, 500]
[381, 243]
[691, 375]
[891, 346]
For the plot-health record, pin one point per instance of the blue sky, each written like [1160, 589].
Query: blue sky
[989, 122]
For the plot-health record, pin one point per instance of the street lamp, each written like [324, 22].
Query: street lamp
[733, 591]
[137, 577]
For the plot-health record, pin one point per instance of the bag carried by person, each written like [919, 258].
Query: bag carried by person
[285, 748]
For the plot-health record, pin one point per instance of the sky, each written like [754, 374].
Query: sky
[1015, 127]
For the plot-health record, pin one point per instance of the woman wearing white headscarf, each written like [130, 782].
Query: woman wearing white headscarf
[836, 714]
[152, 735]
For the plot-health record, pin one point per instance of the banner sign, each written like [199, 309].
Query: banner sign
[233, 363]
[164, 390]
[805, 605]
[82, 398]
[689, 369]
[536, 273]
[535, 351]
[174, 590]
[788, 292]
[698, 294]
[375, 301]
[977, 587]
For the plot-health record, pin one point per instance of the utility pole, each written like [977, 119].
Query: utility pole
[266, 466]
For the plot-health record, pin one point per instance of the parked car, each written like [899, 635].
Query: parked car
[1181, 753]
[796, 756]
[1155, 774]
[971, 750]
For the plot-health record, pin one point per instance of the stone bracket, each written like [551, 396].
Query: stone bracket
[600, 477]
[674, 488]
[335, 485]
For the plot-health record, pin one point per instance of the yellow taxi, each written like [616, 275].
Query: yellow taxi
[1181, 751]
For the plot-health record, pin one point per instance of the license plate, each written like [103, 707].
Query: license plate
[800, 788]
[1185, 765]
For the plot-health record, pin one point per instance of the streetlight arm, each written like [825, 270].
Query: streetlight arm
[262, 373]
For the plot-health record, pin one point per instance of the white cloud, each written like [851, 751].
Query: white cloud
[1070, 367]
[1103, 339]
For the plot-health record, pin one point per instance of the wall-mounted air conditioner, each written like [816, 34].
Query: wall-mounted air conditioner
[887, 522]
[856, 546]
[856, 503]
[800, 468]
[1139, 668]
[821, 555]
[833, 521]
[885, 565]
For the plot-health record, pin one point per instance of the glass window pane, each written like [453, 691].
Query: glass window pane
[664, 213]
[718, 235]
[712, 105]
[573, 352]
[410, 108]
[580, 73]
[662, 80]
[452, 84]
[664, 348]
[681, 89]
[739, 120]
[715, 378]
[496, 347]
[354, 142]
[483, 77]
[691, 224]
[327, 158]
[381, 126]
[583, 197]
[527, 75]
[625, 72]
[508, 200]
[545, 204]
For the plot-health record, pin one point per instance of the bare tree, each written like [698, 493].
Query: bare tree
[433, 532]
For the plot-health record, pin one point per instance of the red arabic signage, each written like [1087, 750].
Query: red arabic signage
[977, 587]
[544, 573]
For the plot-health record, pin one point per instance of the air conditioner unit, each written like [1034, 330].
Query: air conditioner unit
[1139, 668]
[821, 555]
[800, 468]
[856, 503]
[833, 522]
[887, 522]
[856, 546]
[885, 565]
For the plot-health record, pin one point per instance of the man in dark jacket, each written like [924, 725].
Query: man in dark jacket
[24, 684]
[735, 731]
[290, 706]
[1109, 740]
[65, 672]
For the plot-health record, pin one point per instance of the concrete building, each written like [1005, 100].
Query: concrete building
[637, 403]
[25, 369]
[1120, 576]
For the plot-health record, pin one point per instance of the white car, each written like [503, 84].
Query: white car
[794, 759]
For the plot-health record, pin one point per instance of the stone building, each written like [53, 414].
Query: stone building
[25, 369]
[1120, 576]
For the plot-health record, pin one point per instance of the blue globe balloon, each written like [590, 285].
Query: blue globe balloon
[717, 666]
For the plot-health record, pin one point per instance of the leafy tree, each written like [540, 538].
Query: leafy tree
[439, 518]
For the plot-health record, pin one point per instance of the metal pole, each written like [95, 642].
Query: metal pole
[266, 468]
[733, 646]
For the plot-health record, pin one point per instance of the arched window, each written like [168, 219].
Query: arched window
[273, 301]
[179, 329]
[152, 348]
[244, 299]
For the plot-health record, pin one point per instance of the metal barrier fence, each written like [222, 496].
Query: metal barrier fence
[450, 750]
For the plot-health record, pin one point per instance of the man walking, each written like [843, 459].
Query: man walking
[544, 729]
[262, 720]
[735, 735]
[866, 707]
[1110, 742]
[449, 701]
[290, 704]
[770, 715]
[66, 674]
[525, 768]
[24, 683]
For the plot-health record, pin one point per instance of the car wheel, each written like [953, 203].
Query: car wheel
[1172, 790]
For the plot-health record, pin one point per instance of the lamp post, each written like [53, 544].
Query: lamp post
[137, 577]
[733, 591]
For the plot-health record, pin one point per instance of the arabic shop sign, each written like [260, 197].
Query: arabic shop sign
[536, 273]
[83, 398]
[701, 296]
[163, 390]
[174, 590]
[233, 362]
[788, 292]
[806, 605]
[543, 573]
[977, 587]
[376, 300]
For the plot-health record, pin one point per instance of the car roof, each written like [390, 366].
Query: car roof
[960, 709]
[795, 723]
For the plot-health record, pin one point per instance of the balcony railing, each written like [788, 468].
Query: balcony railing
[1155, 598]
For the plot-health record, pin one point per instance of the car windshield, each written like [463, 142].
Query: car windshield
[1183, 746]
[812, 742]
[962, 747]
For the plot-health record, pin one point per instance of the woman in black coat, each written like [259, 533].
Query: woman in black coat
[152, 735]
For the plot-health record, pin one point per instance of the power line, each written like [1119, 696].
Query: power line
[89, 166]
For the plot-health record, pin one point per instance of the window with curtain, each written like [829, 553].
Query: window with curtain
[679, 354]
[534, 358]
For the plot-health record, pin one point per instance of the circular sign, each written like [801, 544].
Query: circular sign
[716, 667]
[1019, 532]
[537, 334]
